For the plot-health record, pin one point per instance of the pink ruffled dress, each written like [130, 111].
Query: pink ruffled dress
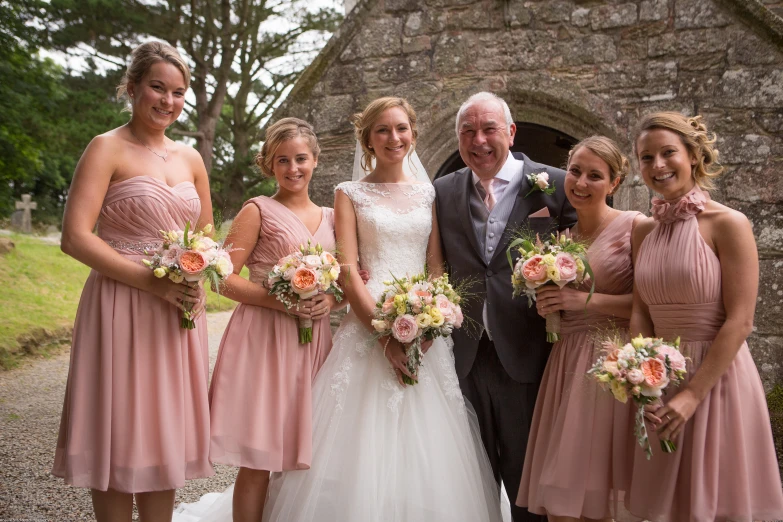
[725, 467]
[135, 416]
[260, 397]
[581, 441]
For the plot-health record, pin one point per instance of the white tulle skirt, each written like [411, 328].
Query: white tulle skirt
[382, 452]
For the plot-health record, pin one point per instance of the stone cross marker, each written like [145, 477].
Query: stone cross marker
[26, 205]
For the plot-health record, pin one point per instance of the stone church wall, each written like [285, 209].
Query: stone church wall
[581, 67]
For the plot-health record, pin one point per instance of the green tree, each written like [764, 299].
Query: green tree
[47, 116]
[245, 55]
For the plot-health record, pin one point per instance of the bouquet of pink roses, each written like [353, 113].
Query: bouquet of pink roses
[416, 309]
[560, 261]
[641, 369]
[190, 256]
[303, 274]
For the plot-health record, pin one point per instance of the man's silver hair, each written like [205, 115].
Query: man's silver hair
[480, 97]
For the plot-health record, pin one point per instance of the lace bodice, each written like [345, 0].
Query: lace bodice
[393, 222]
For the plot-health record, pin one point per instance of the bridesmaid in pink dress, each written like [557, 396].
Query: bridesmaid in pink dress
[697, 278]
[135, 420]
[579, 450]
[260, 395]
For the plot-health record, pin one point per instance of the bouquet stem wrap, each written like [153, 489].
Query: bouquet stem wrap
[305, 330]
[414, 354]
[553, 327]
[668, 446]
[187, 321]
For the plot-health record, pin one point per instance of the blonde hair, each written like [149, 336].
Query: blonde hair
[145, 56]
[363, 122]
[693, 134]
[606, 149]
[280, 132]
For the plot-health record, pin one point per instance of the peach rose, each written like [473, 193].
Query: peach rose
[426, 297]
[327, 258]
[305, 282]
[655, 377]
[388, 305]
[566, 265]
[192, 263]
[533, 269]
[404, 328]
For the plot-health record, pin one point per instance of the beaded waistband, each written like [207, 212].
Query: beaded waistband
[136, 247]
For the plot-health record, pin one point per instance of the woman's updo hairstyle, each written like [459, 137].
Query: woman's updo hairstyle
[144, 57]
[364, 121]
[606, 149]
[694, 135]
[282, 131]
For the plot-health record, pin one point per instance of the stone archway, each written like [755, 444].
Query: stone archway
[540, 143]
[537, 101]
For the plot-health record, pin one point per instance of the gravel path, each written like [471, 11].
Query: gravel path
[31, 399]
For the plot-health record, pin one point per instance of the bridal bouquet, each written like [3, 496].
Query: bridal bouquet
[307, 272]
[190, 256]
[641, 369]
[560, 261]
[416, 309]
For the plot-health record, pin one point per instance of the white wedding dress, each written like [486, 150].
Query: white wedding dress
[381, 452]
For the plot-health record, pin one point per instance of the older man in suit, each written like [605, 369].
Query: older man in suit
[478, 210]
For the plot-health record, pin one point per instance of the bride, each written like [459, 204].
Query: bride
[383, 451]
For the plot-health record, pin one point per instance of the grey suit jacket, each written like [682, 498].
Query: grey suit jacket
[518, 332]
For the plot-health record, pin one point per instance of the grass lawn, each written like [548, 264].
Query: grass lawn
[41, 290]
[42, 287]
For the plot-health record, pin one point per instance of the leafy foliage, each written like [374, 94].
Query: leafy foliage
[47, 117]
[244, 56]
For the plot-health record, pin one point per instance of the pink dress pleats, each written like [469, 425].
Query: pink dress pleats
[260, 397]
[580, 446]
[136, 415]
[725, 467]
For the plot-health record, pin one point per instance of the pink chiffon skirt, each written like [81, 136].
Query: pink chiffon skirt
[261, 395]
[136, 414]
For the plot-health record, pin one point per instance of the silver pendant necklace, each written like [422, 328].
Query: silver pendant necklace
[589, 239]
[161, 156]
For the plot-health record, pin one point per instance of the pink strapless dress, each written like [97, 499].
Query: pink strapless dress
[135, 416]
[725, 467]
[260, 397]
[581, 442]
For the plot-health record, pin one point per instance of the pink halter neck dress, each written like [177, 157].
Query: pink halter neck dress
[725, 467]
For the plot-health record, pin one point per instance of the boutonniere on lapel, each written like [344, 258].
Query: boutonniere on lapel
[540, 183]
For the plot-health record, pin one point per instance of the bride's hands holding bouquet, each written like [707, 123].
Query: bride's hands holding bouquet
[395, 351]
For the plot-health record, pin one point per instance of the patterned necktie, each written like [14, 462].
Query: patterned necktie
[489, 193]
